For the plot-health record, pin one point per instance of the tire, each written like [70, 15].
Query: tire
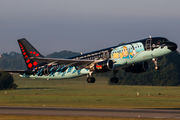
[114, 80]
[91, 79]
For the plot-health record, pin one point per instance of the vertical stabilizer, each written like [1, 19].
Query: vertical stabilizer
[29, 51]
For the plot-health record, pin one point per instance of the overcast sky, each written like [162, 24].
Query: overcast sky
[85, 25]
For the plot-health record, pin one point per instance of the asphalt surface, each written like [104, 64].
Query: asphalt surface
[98, 112]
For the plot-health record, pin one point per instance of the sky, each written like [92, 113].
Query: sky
[85, 25]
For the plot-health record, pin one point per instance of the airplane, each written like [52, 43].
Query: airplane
[131, 57]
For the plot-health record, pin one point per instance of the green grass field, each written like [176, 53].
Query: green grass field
[78, 93]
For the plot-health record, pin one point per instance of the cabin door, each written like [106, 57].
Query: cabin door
[148, 44]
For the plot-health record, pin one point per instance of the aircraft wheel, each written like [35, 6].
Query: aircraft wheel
[91, 79]
[114, 80]
[157, 68]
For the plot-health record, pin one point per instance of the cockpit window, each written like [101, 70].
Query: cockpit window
[162, 41]
[159, 42]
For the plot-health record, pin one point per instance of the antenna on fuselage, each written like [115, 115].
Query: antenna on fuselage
[149, 36]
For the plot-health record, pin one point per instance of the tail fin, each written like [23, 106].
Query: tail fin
[29, 51]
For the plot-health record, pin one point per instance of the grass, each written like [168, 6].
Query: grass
[78, 93]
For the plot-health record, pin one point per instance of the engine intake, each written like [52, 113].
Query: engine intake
[138, 68]
[104, 66]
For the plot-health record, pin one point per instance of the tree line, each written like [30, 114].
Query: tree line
[15, 61]
[168, 75]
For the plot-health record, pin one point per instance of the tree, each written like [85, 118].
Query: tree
[62, 54]
[12, 61]
[7, 81]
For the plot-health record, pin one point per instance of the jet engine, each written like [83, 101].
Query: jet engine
[138, 67]
[104, 66]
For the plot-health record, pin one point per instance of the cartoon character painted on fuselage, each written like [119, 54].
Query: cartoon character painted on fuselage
[134, 51]
[125, 53]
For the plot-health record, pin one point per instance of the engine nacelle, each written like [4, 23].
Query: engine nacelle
[138, 68]
[104, 66]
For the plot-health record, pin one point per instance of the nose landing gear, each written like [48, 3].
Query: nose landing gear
[156, 63]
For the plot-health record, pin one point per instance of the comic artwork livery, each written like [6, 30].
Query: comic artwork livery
[132, 57]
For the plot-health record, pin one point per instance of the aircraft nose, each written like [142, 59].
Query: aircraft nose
[172, 46]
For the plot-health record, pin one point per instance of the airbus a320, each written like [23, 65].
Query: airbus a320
[132, 57]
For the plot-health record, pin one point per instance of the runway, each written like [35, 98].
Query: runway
[98, 112]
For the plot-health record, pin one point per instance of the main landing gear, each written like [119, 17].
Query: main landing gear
[90, 79]
[114, 79]
[156, 63]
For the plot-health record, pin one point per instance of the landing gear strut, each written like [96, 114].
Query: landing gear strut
[114, 79]
[156, 63]
[90, 79]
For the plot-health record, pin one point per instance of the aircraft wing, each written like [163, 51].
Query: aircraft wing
[67, 62]
[18, 71]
